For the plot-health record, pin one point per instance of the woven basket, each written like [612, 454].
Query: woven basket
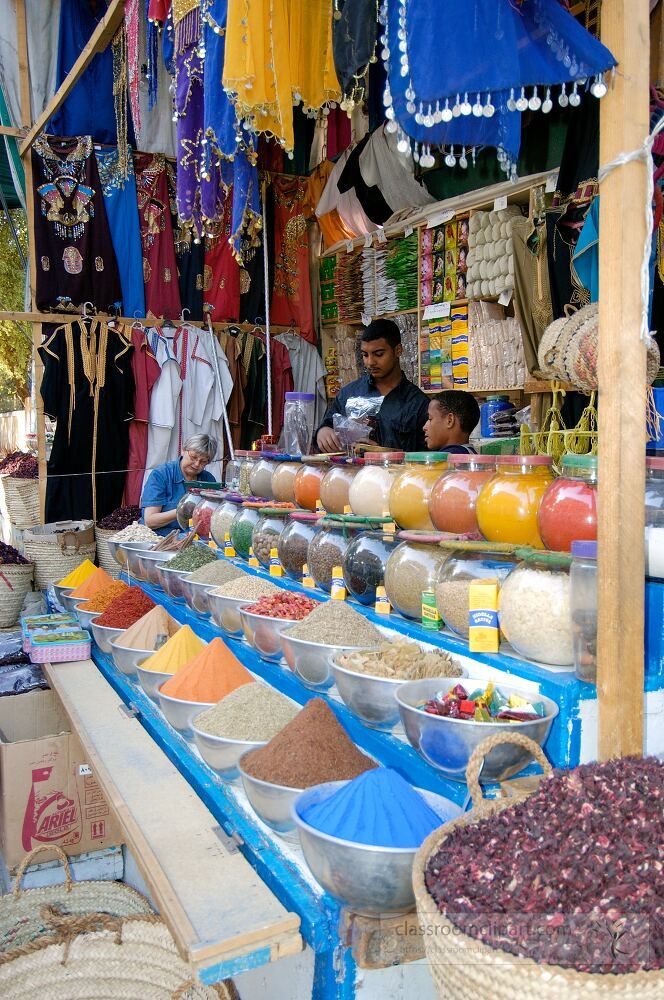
[15, 582]
[56, 555]
[22, 501]
[131, 958]
[105, 557]
[464, 968]
[21, 920]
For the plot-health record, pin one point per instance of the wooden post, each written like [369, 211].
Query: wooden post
[622, 387]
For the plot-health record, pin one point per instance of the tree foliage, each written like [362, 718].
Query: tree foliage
[15, 338]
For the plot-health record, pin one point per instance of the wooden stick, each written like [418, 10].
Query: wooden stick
[624, 124]
[99, 39]
[15, 133]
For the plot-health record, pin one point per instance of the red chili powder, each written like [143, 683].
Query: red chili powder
[126, 609]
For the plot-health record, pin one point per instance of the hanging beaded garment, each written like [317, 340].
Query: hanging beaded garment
[120, 97]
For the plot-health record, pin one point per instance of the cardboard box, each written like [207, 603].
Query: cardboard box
[48, 793]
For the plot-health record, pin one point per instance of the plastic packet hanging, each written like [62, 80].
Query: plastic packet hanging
[360, 420]
[19, 678]
[11, 648]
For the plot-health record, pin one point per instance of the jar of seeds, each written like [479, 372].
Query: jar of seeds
[222, 518]
[293, 543]
[242, 529]
[266, 532]
[413, 567]
[328, 547]
[477, 562]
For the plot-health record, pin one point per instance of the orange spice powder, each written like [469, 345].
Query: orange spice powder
[94, 583]
[101, 600]
[209, 677]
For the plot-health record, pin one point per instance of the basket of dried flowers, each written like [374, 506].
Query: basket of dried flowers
[555, 895]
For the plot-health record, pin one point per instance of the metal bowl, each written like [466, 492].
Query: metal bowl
[70, 603]
[225, 613]
[181, 713]
[371, 699]
[85, 618]
[116, 550]
[310, 661]
[134, 565]
[149, 563]
[447, 743]
[103, 634]
[151, 680]
[126, 659]
[61, 592]
[195, 595]
[124, 550]
[221, 753]
[271, 803]
[171, 582]
[262, 632]
[369, 880]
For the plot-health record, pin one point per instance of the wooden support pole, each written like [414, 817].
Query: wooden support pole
[99, 39]
[622, 387]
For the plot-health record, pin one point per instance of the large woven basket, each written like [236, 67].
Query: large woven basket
[464, 968]
[55, 555]
[130, 958]
[21, 917]
[105, 557]
[15, 582]
[22, 501]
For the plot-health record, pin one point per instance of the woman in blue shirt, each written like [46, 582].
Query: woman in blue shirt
[167, 484]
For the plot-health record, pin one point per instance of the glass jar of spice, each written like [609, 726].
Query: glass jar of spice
[328, 547]
[655, 517]
[293, 542]
[364, 564]
[568, 508]
[308, 481]
[535, 611]
[477, 562]
[267, 531]
[232, 473]
[507, 505]
[283, 480]
[242, 529]
[411, 489]
[337, 482]
[222, 518]
[583, 601]
[210, 500]
[369, 493]
[413, 567]
[185, 508]
[454, 495]
[260, 477]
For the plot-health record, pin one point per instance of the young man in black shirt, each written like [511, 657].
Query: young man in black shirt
[404, 409]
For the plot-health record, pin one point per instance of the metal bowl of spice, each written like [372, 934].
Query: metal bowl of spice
[195, 595]
[149, 563]
[225, 613]
[126, 659]
[181, 713]
[263, 621]
[447, 743]
[71, 603]
[132, 552]
[103, 634]
[85, 617]
[171, 581]
[222, 754]
[151, 680]
[61, 592]
[273, 804]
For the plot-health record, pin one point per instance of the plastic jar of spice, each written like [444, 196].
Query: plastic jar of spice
[283, 480]
[454, 495]
[185, 508]
[535, 610]
[364, 564]
[328, 547]
[222, 518]
[260, 477]
[568, 509]
[583, 601]
[242, 529]
[655, 518]
[336, 484]
[266, 533]
[507, 505]
[411, 489]
[293, 542]
[413, 567]
[210, 500]
[246, 459]
[308, 481]
[369, 493]
[458, 572]
[232, 473]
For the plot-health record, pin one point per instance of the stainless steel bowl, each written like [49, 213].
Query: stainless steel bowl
[171, 581]
[447, 743]
[151, 681]
[149, 563]
[61, 592]
[126, 659]
[85, 618]
[103, 635]
[310, 661]
[180, 713]
[371, 699]
[225, 613]
[117, 552]
[134, 565]
[70, 603]
[262, 632]
[125, 549]
[369, 880]
[195, 595]
[222, 754]
[271, 803]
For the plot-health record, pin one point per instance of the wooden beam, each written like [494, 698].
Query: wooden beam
[99, 39]
[624, 124]
[15, 133]
[657, 45]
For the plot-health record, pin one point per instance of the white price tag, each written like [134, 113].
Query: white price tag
[505, 298]
[84, 770]
[438, 311]
[349, 246]
[500, 203]
[440, 218]
[551, 183]
[382, 238]
[366, 319]
[368, 240]
[408, 232]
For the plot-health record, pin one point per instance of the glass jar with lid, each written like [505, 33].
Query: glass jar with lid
[242, 528]
[185, 507]
[210, 500]
[327, 548]
[222, 517]
[260, 477]
[267, 530]
[535, 611]
[568, 508]
[293, 542]
[232, 473]
[246, 460]
[337, 482]
[308, 481]
[413, 567]
[411, 489]
[583, 601]
[476, 561]
[369, 493]
[283, 479]
[454, 495]
[364, 564]
[507, 505]
[655, 517]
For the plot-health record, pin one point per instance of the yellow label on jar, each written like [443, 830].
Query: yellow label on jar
[430, 614]
[276, 568]
[213, 545]
[229, 551]
[338, 589]
[483, 631]
[307, 580]
[382, 605]
[253, 561]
